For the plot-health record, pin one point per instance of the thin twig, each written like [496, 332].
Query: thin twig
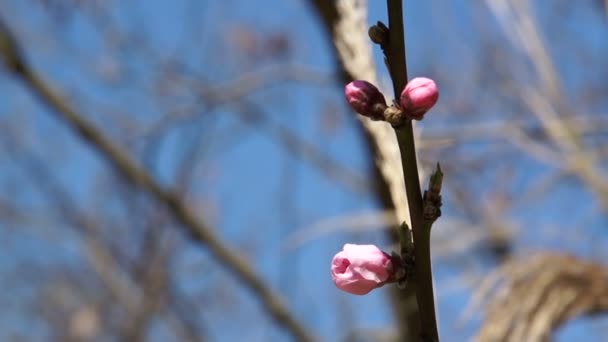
[199, 231]
[405, 137]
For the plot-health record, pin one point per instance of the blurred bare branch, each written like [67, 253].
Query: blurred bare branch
[195, 228]
[138, 296]
[346, 23]
[529, 297]
[233, 93]
[546, 99]
[355, 222]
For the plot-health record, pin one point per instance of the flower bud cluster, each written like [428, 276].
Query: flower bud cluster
[358, 269]
[418, 97]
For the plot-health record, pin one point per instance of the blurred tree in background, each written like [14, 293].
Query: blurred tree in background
[185, 170]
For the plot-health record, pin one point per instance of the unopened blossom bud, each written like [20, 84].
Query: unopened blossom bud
[358, 269]
[364, 98]
[378, 33]
[418, 96]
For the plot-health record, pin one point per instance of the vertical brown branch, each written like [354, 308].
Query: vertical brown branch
[405, 137]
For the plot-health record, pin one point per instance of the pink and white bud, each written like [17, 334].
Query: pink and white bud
[419, 95]
[358, 269]
[364, 98]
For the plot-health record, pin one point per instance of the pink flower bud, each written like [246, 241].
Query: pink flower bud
[358, 269]
[365, 99]
[418, 96]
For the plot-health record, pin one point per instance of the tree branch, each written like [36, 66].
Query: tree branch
[405, 136]
[346, 23]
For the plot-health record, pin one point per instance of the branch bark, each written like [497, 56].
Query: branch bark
[405, 136]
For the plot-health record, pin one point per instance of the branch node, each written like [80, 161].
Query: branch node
[432, 196]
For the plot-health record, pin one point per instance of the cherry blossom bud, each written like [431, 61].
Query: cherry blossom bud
[379, 34]
[418, 96]
[365, 99]
[358, 269]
